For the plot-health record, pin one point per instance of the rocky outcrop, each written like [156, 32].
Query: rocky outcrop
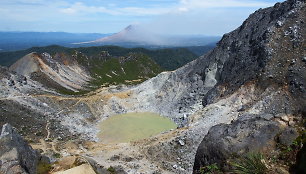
[16, 156]
[250, 133]
[267, 48]
[266, 51]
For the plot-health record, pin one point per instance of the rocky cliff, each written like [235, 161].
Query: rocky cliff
[267, 52]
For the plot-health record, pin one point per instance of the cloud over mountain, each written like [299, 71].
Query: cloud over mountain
[109, 16]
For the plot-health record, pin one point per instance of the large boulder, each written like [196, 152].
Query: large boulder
[225, 141]
[16, 156]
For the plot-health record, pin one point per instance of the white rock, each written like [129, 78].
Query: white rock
[182, 143]
[291, 123]
[285, 118]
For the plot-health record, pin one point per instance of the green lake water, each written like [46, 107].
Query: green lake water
[133, 126]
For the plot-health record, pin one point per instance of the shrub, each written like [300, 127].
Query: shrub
[111, 169]
[43, 168]
[56, 155]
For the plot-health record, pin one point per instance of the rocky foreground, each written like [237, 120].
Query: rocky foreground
[246, 96]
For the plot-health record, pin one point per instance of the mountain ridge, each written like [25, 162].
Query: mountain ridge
[167, 58]
[77, 72]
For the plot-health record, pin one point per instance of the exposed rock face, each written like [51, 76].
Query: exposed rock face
[267, 50]
[59, 70]
[16, 156]
[19, 108]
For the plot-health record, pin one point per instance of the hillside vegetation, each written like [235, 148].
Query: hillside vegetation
[168, 59]
[129, 69]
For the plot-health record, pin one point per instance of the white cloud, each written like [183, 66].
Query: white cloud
[81, 8]
[181, 7]
[209, 17]
[173, 15]
[68, 10]
[24, 1]
[143, 11]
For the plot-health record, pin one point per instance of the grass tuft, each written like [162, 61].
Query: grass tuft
[251, 163]
[210, 169]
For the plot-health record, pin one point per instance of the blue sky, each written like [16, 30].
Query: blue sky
[205, 17]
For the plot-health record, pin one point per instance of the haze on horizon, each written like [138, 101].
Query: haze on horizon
[192, 17]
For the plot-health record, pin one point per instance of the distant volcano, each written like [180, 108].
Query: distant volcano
[133, 34]
[138, 35]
